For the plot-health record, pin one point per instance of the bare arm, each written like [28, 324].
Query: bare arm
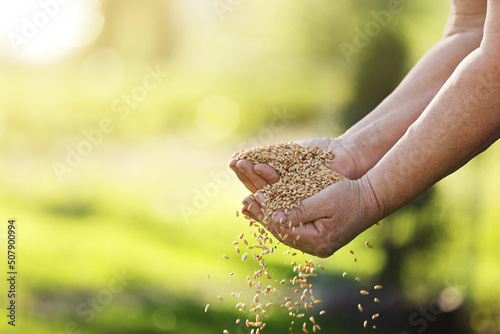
[462, 121]
[374, 135]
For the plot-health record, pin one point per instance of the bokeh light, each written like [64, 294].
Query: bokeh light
[40, 32]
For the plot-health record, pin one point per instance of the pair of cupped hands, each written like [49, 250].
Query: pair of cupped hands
[331, 218]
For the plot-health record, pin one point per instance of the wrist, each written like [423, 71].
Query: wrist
[358, 155]
[372, 207]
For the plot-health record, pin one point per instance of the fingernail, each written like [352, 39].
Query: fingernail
[260, 196]
[280, 218]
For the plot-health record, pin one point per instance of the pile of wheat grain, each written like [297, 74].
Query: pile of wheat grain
[303, 170]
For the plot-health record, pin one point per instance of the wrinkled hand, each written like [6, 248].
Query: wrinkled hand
[331, 218]
[258, 176]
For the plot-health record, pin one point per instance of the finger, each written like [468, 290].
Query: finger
[262, 200]
[246, 168]
[267, 173]
[245, 180]
[253, 208]
[310, 209]
[307, 238]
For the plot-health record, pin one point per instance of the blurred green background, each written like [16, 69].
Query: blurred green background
[118, 118]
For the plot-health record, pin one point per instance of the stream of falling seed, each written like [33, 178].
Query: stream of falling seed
[298, 304]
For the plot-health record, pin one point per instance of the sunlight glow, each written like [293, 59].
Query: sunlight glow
[36, 32]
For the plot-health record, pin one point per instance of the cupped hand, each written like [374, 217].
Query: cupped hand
[256, 177]
[330, 219]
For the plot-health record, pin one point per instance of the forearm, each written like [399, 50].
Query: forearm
[461, 121]
[375, 134]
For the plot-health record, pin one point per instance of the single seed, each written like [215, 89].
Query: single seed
[237, 213]
[375, 316]
[360, 308]
[207, 307]
[220, 297]
[322, 312]
[344, 274]
[376, 300]
[321, 267]
[225, 256]
[378, 287]
[237, 321]
[225, 331]
[364, 292]
[365, 323]
[358, 279]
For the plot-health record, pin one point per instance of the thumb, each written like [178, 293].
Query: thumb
[310, 209]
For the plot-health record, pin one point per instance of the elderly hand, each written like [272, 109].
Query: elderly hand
[330, 219]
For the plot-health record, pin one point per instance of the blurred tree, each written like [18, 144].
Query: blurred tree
[381, 66]
[140, 31]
